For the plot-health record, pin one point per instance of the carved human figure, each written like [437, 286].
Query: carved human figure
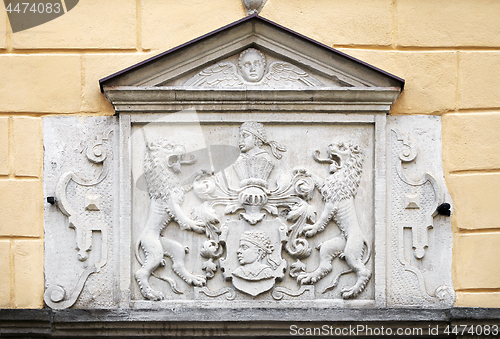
[249, 142]
[255, 246]
[254, 165]
[252, 65]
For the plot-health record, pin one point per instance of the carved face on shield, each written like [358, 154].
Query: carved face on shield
[249, 253]
[255, 246]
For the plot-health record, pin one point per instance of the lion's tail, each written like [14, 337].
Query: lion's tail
[171, 282]
[335, 280]
[368, 251]
[137, 256]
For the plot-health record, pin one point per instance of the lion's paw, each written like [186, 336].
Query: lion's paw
[310, 230]
[151, 294]
[197, 280]
[307, 279]
[198, 228]
[301, 171]
[348, 293]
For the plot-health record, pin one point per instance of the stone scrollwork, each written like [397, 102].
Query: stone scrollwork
[253, 70]
[279, 293]
[56, 296]
[408, 154]
[229, 292]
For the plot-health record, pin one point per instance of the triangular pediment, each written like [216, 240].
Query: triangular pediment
[251, 60]
[213, 60]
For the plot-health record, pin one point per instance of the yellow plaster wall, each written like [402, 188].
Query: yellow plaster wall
[447, 51]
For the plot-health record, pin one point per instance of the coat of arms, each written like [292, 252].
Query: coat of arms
[262, 221]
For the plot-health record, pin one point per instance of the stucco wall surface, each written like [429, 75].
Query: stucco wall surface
[447, 51]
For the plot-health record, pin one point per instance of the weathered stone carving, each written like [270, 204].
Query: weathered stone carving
[56, 296]
[339, 190]
[92, 202]
[228, 292]
[417, 230]
[162, 162]
[255, 195]
[252, 70]
[305, 293]
[254, 6]
[256, 271]
[252, 239]
[253, 244]
[253, 167]
[256, 230]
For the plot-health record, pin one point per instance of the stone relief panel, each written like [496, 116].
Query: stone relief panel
[252, 212]
[79, 183]
[255, 69]
[290, 187]
[420, 232]
[244, 214]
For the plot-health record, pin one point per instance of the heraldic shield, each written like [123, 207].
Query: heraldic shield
[253, 261]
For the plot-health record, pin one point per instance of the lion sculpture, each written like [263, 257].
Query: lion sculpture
[339, 190]
[162, 163]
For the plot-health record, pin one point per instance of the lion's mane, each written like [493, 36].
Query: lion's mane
[344, 183]
[160, 180]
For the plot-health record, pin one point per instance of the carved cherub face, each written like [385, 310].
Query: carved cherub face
[248, 253]
[252, 66]
[247, 141]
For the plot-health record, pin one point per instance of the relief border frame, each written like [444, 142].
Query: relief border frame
[337, 113]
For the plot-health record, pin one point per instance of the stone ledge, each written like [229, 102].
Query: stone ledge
[130, 99]
[24, 322]
[225, 322]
